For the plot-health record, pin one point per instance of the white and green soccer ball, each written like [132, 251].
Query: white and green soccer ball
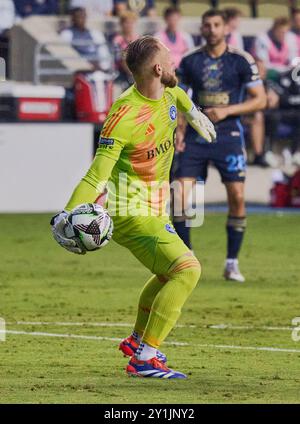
[92, 225]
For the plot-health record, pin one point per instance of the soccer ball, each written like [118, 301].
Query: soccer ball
[92, 225]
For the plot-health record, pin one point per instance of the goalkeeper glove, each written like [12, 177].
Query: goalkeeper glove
[201, 124]
[64, 234]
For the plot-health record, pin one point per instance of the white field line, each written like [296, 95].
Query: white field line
[125, 324]
[213, 346]
[84, 324]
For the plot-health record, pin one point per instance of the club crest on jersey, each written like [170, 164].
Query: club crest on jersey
[170, 229]
[173, 113]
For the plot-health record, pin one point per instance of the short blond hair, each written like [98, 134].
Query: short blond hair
[140, 51]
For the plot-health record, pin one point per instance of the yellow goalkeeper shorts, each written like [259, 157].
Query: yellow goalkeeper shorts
[152, 240]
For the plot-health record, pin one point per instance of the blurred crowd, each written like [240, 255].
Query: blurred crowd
[276, 52]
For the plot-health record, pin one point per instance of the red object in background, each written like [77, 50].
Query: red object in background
[280, 195]
[35, 109]
[32, 103]
[93, 97]
[295, 190]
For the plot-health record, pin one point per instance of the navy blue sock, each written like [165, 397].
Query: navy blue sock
[183, 232]
[235, 233]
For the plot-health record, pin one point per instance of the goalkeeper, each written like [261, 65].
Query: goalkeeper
[135, 150]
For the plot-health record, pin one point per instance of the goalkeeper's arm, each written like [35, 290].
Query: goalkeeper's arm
[93, 184]
[88, 190]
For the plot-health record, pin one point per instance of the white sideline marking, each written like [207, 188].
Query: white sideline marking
[65, 336]
[247, 327]
[214, 346]
[125, 324]
[88, 324]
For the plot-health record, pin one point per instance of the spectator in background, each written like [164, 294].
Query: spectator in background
[26, 8]
[276, 48]
[257, 132]
[295, 30]
[233, 18]
[8, 16]
[285, 110]
[90, 44]
[149, 9]
[179, 42]
[120, 42]
[283, 107]
[120, 7]
[94, 8]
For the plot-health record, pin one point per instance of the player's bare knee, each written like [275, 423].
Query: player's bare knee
[237, 203]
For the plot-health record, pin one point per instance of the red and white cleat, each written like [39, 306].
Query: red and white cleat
[129, 346]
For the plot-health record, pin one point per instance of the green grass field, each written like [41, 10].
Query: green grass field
[40, 282]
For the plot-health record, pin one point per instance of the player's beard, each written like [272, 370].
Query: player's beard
[214, 41]
[168, 79]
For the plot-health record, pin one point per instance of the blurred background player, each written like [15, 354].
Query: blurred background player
[177, 41]
[295, 28]
[90, 44]
[276, 48]
[128, 32]
[26, 8]
[234, 37]
[137, 136]
[218, 75]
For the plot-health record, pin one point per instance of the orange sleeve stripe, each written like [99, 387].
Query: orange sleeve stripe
[108, 122]
[112, 119]
[121, 115]
[117, 119]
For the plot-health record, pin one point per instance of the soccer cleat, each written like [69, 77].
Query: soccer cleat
[151, 368]
[232, 272]
[129, 346]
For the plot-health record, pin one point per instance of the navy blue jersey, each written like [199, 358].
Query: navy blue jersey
[219, 81]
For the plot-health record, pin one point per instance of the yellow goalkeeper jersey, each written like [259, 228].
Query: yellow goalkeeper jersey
[134, 156]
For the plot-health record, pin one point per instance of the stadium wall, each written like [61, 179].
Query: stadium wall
[40, 164]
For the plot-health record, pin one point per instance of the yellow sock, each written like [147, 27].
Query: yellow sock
[166, 306]
[147, 296]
